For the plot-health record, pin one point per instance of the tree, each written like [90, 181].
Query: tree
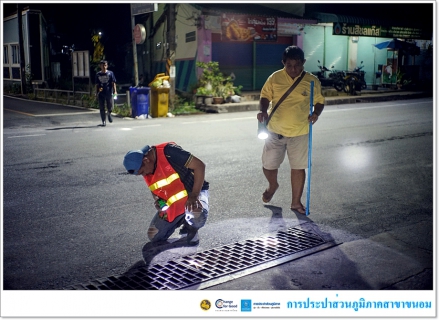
[98, 53]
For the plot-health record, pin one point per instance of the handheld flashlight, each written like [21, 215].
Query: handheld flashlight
[162, 204]
[262, 130]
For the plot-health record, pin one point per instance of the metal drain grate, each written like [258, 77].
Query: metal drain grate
[212, 265]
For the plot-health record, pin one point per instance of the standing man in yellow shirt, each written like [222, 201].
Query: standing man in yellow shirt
[288, 126]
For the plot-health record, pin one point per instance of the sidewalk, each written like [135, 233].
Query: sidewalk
[250, 100]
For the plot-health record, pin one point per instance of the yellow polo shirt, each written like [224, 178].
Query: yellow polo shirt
[291, 117]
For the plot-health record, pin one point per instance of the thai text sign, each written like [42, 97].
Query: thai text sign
[81, 64]
[141, 8]
[346, 29]
[248, 28]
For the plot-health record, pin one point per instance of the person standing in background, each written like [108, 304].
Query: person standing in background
[105, 88]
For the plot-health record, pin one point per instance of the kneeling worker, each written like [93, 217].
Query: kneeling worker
[176, 179]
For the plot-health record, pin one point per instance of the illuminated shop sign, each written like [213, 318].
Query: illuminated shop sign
[347, 29]
[248, 28]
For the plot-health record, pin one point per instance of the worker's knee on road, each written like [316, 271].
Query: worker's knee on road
[197, 212]
[152, 231]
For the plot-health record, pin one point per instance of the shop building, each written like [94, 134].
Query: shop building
[248, 44]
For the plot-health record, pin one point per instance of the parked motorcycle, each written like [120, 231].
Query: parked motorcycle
[338, 77]
[321, 75]
[362, 75]
[354, 80]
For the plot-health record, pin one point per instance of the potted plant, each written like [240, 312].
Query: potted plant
[203, 96]
[219, 94]
[212, 78]
[399, 79]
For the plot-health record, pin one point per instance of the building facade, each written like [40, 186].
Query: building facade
[36, 48]
[253, 54]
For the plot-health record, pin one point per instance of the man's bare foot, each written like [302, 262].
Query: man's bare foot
[267, 195]
[299, 209]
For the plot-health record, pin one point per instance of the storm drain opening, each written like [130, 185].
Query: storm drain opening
[207, 268]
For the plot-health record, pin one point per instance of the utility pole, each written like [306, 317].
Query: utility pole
[21, 48]
[135, 67]
[170, 52]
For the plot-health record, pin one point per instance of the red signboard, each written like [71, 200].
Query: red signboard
[139, 34]
[248, 28]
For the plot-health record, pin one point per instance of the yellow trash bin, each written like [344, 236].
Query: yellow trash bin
[159, 102]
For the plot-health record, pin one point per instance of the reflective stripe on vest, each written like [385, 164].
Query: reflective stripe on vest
[176, 197]
[164, 182]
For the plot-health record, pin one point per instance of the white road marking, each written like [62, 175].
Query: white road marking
[220, 120]
[28, 135]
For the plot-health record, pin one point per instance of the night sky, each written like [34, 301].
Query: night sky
[75, 21]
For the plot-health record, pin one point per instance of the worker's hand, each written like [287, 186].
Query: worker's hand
[193, 204]
[313, 118]
[262, 116]
[156, 205]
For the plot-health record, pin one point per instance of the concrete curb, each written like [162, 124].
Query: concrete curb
[331, 100]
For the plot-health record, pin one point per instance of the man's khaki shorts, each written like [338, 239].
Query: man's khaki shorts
[275, 149]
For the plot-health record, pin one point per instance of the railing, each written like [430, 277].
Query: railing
[81, 98]
[56, 95]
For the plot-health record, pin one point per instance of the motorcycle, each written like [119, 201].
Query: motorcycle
[321, 75]
[354, 80]
[335, 77]
[361, 75]
[338, 77]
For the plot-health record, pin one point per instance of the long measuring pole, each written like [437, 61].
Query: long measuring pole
[311, 107]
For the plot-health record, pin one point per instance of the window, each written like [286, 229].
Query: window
[6, 73]
[190, 36]
[15, 54]
[5, 55]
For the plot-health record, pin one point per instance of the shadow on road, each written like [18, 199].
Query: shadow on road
[152, 251]
[330, 269]
[69, 128]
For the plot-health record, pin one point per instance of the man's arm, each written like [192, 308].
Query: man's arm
[198, 167]
[264, 103]
[98, 84]
[318, 109]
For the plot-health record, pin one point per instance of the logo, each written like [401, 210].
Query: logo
[304, 93]
[205, 305]
[246, 305]
[219, 303]
[337, 29]
[226, 305]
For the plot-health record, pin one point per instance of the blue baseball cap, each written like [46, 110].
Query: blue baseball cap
[133, 159]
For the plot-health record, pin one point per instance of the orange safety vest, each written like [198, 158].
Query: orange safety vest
[166, 184]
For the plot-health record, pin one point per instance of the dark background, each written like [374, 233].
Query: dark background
[74, 23]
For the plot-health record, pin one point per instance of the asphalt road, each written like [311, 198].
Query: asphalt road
[71, 214]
